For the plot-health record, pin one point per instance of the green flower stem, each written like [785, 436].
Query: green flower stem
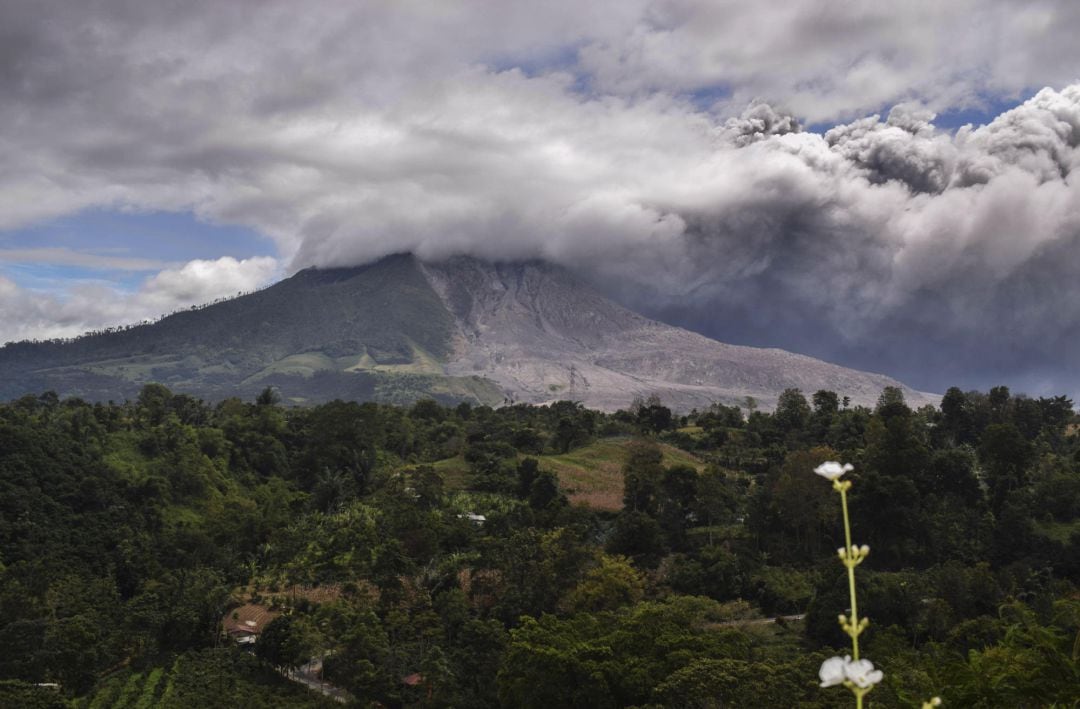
[859, 693]
[849, 562]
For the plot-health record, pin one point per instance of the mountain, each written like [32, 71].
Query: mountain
[401, 329]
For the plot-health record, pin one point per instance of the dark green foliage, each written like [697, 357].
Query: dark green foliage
[455, 560]
[642, 476]
[654, 418]
[283, 644]
[676, 499]
[792, 410]
[544, 492]
[227, 678]
[612, 659]
[1006, 455]
[575, 425]
[25, 695]
[715, 683]
[637, 535]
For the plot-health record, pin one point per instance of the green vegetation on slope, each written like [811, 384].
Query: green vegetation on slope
[315, 336]
[591, 475]
[222, 677]
[432, 556]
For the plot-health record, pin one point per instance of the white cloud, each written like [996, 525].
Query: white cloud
[31, 314]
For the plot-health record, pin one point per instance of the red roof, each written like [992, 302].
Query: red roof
[248, 619]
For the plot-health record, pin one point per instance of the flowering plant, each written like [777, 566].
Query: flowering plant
[855, 673]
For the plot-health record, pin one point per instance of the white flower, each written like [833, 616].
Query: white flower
[832, 671]
[862, 674]
[831, 470]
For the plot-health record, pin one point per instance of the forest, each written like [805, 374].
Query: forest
[535, 556]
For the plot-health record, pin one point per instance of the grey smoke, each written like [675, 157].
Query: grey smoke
[905, 148]
[758, 122]
[939, 258]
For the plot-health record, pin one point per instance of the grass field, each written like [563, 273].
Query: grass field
[591, 475]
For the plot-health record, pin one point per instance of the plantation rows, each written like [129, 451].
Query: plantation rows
[137, 690]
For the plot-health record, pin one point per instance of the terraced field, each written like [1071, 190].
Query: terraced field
[135, 690]
[222, 677]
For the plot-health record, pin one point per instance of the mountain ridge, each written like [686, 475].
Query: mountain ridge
[400, 328]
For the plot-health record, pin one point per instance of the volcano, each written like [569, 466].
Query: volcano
[401, 329]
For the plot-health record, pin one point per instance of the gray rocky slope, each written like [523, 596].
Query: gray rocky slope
[542, 335]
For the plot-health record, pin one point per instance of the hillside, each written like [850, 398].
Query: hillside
[377, 331]
[590, 475]
[398, 330]
[543, 335]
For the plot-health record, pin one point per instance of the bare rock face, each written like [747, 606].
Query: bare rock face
[542, 335]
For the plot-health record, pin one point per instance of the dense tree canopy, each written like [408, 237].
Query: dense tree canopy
[469, 556]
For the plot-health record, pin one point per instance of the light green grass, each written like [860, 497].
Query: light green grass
[422, 362]
[592, 474]
[128, 692]
[106, 693]
[305, 365]
[170, 682]
[148, 698]
[404, 388]
[454, 471]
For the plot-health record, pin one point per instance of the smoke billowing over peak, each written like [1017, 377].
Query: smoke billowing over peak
[758, 122]
[621, 139]
[921, 249]
[905, 148]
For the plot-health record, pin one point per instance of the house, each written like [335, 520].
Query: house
[244, 624]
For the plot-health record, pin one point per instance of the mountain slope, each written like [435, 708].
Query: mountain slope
[318, 335]
[542, 335]
[400, 329]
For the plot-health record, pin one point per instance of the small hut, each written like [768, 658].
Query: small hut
[245, 623]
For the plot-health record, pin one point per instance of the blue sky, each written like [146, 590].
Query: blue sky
[950, 120]
[122, 240]
[991, 108]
